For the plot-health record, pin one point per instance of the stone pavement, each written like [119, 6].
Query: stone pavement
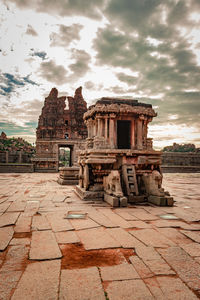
[139, 252]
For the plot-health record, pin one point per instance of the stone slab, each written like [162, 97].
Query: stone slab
[4, 206]
[125, 214]
[115, 218]
[97, 238]
[154, 288]
[197, 259]
[174, 288]
[23, 223]
[44, 246]
[20, 241]
[32, 207]
[119, 272]
[192, 235]
[142, 215]
[174, 235]
[174, 224]
[67, 237]
[15, 258]
[187, 268]
[17, 206]
[8, 219]
[140, 267]
[140, 224]
[8, 281]
[154, 261]
[128, 290]
[101, 219]
[83, 224]
[151, 237]
[125, 239]
[81, 284]
[40, 222]
[6, 234]
[40, 281]
[193, 249]
[58, 223]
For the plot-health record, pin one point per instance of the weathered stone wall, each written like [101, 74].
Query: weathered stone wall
[178, 162]
[60, 127]
[15, 157]
[181, 159]
[16, 168]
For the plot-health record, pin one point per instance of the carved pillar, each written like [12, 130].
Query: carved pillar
[89, 126]
[133, 134]
[112, 132]
[98, 126]
[106, 128]
[101, 126]
[145, 132]
[139, 133]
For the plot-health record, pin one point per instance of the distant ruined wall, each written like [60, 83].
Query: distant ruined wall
[59, 127]
[15, 157]
[181, 159]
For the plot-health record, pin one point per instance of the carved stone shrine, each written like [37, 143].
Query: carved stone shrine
[119, 164]
[60, 128]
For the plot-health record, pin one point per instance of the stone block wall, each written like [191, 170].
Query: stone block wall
[15, 157]
[181, 159]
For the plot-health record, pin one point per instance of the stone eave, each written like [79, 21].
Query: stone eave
[119, 109]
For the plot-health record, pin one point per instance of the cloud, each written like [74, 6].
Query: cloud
[89, 85]
[9, 83]
[130, 80]
[31, 31]
[81, 65]
[66, 35]
[88, 8]
[52, 72]
[41, 54]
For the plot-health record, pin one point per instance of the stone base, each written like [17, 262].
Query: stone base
[161, 200]
[136, 199]
[67, 181]
[68, 175]
[112, 200]
[89, 195]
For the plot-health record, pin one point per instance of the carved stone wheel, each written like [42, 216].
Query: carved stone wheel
[86, 177]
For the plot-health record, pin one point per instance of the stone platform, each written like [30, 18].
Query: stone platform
[137, 252]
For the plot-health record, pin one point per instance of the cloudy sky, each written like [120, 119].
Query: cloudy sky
[145, 49]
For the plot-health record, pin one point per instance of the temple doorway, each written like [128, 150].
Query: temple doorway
[123, 134]
[65, 156]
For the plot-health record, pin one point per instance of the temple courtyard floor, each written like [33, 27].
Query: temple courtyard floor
[55, 246]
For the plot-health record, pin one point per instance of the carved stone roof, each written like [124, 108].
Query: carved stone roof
[120, 106]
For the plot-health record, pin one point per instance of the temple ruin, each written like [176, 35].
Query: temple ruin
[119, 164]
[60, 128]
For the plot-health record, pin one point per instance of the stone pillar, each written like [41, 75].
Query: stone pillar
[139, 134]
[7, 159]
[145, 132]
[98, 126]
[101, 127]
[133, 134]
[20, 156]
[89, 127]
[106, 128]
[112, 132]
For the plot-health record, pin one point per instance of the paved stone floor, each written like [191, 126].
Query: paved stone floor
[139, 252]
